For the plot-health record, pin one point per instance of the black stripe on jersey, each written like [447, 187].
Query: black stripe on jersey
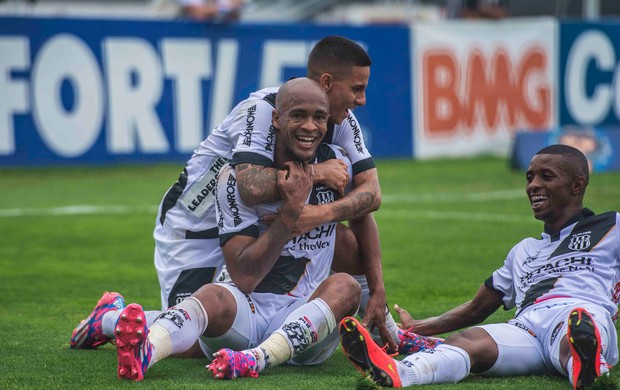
[537, 290]
[320, 193]
[188, 282]
[586, 234]
[271, 99]
[324, 152]
[363, 165]
[173, 194]
[284, 275]
[203, 234]
[250, 158]
[250, 231]
[329, 135]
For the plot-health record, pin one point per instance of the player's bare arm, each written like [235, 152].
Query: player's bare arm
[257, 183]
[485, 302]
[363, 199]
[250, 259]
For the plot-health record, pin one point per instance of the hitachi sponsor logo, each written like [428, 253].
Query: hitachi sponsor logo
[271, 139]
[357, 134]
[249, 126]
[231, 200]
[568, 264]
[317, 233]
[208, 189]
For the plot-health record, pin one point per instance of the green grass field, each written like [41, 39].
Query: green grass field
[68, 234]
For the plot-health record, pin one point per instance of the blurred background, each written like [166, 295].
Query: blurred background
[333, 11]
[98, 82]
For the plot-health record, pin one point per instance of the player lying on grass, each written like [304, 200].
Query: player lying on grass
[565, 287]
[282, 304]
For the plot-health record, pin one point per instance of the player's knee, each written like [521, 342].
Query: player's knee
[479, 345]
[348, 291]
[218, 302]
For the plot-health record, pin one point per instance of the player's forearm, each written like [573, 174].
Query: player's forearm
[363, 199]
[257, 259]
[257, 184]
[485, 302]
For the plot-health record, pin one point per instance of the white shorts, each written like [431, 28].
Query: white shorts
[259, 315]
[530, 343]
[187, 245]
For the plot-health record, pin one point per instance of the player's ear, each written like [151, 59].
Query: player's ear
[275, 117]
[579, 185]
[326, 80]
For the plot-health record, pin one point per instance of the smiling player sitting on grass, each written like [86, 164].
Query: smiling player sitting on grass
[565, 287]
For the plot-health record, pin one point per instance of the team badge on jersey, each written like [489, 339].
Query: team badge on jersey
[325, 196]
[579, 241]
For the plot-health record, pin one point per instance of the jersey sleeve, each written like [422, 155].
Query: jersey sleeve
[257, 137]
[233, 216]
[348, 135]
[502, 281]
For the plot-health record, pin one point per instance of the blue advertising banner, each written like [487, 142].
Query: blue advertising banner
[589, 58]
[85, 91]
[600, 145]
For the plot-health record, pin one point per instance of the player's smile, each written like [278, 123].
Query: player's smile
[306, 141]
[537, 201]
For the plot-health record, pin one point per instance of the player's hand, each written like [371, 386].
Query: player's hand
[375, 318]
[294, 185]
[406, 321]
[332, 173]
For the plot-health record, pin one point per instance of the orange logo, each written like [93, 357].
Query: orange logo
[491, 91]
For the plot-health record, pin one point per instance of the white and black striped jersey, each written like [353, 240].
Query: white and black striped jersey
[247, 135]
[580, 261]
[305, 260]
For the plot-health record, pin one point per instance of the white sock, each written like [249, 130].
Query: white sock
[361, 280]
[445, 364]
[304, 327]
[389, 320]
[177, 329]
[109, 320]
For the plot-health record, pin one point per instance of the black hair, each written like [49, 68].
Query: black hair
[575, 158]
[334, 54]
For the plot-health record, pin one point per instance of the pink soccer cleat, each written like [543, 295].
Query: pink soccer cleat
[412, 342]
[132, 344]
[89, 334]
[229, 364]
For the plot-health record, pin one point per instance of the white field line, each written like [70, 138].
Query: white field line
[452, 215]
[386, 199]
[446, 198]
[77, 210]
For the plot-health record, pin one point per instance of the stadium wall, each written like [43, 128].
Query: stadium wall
[90, 91]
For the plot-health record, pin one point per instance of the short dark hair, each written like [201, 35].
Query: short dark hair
[575, 158]
[333, 54]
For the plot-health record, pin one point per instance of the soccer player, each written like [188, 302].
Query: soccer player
[187, 253]
[565, 287]
[282, 302]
